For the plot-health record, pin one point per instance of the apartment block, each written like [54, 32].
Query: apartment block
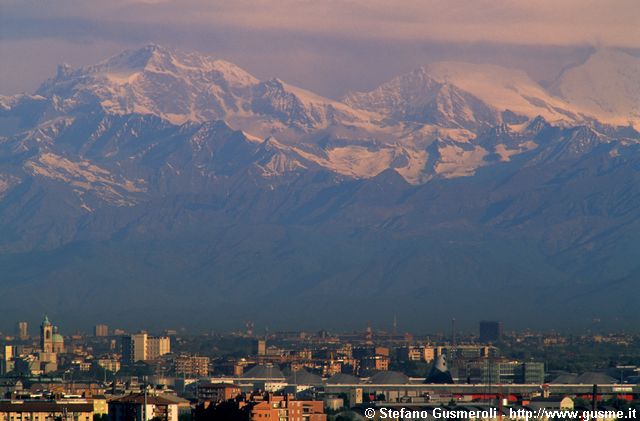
[142, 347]
[101, 330]
[191, 366]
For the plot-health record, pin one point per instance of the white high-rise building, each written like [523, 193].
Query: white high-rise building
[142, 347]
[157, 347]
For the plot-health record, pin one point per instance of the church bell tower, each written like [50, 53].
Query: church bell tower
[46, 335]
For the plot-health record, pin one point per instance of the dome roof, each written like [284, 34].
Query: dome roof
[389, 377]
[57, 338]
[567, 378]
[303, 377]
[264, 371]
[343, 378]
[591, 377]
[634, 379]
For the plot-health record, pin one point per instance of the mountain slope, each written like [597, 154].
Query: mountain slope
[607, 85]
[159, 182]
[154, 80]
[418, 97]
[471, 93]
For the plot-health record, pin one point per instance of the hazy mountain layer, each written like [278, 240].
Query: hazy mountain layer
[159, 185]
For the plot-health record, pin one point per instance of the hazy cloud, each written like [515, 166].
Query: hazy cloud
[553, 22]
[312, 36]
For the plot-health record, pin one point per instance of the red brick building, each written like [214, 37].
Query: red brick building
[280, 408]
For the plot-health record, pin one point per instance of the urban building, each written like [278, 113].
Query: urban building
[81, 365]
[138, 407]
[533, 372]
[157, 347]
[6, 363]
[191, 366]
[41, 409]
[429, 354]
[374, 363]
[134, 347]
[490, 331]
[262, 347]
[372, 358]
[411, 353]
[101, 330]
[50, 339]
[22, 330]
[109, 364]
[490, 371]
[333, 403]
[100, 405]
[283, 409]
[142, 347]
[509, 372]
[262, 407]
[562, 403]
[216, 392]
[51, 344]
[46, 335]
[57, 341]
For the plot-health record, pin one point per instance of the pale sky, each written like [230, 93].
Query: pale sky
[329, 46]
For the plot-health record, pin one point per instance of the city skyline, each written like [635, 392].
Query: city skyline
[448, 330]
[117, 375]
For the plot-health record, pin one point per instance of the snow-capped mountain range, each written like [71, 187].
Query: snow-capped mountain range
[454, 172]
[423, 124]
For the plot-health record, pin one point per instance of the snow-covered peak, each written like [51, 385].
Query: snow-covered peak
[606, 86]
[300, 108]
[179, 87]
[152, 58]
[503, 89]
[158, 59]
[118, 68]
[446, 119]
[139, 59]
[413, 88]
[418, 97]
[155, 80]
[458, 94]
